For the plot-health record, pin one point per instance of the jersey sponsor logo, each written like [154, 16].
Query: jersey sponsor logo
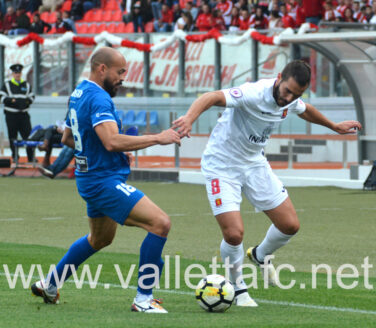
[284, 114]
[77, 93]
[236, 92]
[256, 139]
[81, 164]
[218, 202]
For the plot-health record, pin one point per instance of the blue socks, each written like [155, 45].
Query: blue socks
[77, 253]
[150, 253]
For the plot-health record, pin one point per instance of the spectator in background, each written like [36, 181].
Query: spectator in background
[348, 16]
[77, 10]
[3, 9]
[33, 5]
[69, 21]
[9, 20]
[156, 7]
[176, 9]
[137, 17]
[61, 26]
[313, 10]
[297, 12]
[275, 20]
[358, 15]
[39, 26]
[259, 20]
[204, 20]
[185, 22]
[373, 18]
[1, 23]
[22, 23]
[164, 24]
[235, 19]
[225, 8]
[287, 20]
[340, 6]
[245, 19]
[217, 20]
[50, 5]
[329, 13]
[189, 7]
[368, 13]
[242, 4]
[88, 5]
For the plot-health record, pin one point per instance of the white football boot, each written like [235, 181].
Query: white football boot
[242, 298]
[152, 305]
[39, 289]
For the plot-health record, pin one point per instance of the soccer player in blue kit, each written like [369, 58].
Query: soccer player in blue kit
[93, 129]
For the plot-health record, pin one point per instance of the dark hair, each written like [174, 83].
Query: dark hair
[299, 70]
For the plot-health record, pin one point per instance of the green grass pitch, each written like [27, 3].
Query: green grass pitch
[40, 218]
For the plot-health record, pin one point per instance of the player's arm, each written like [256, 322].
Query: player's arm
[313, 115]
[67, 138]
[201, 104]
[113, 141]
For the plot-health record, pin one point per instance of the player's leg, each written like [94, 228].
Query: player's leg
[225, 198]
[285, 225]
[147, 215]
[102, 232]
[266, 192]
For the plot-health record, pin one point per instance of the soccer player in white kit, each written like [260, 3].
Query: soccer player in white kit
[233, 162]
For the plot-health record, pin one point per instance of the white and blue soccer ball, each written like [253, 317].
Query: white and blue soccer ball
[215, 293]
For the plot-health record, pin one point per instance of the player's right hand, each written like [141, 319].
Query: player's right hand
[184, 126]
[169, 136]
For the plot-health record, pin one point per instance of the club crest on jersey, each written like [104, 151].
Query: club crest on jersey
[236, 92]
[218, 202]
[284, 114]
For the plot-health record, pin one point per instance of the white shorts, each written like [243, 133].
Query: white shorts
[259, 184]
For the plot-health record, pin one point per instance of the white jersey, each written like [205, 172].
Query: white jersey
[242, 131]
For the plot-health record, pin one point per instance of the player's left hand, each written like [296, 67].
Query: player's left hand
[184, 126]
[347, 127]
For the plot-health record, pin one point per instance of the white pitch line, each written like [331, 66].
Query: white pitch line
[316, 307]
[279, 303]
[52, 219]
[12, 219]
[177, 214]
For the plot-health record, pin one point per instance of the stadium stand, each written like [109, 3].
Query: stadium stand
[292, 14]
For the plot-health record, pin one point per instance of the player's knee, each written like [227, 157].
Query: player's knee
[234, 237]
[162, 225]
[292, 228]
[101, 242]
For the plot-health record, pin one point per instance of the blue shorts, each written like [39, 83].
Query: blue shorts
[109, 196]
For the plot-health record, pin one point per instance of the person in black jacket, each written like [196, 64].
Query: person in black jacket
[22, 23]
[17, 96]
[39, 26]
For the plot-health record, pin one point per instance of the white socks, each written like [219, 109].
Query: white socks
[273, 240]
[143, 297]
[235, 255]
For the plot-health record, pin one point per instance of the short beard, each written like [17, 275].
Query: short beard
[109, 88]
[276, 94]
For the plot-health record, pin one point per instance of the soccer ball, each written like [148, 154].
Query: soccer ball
[214, 293]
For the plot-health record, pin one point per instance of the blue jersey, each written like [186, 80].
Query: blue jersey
[90, 105]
